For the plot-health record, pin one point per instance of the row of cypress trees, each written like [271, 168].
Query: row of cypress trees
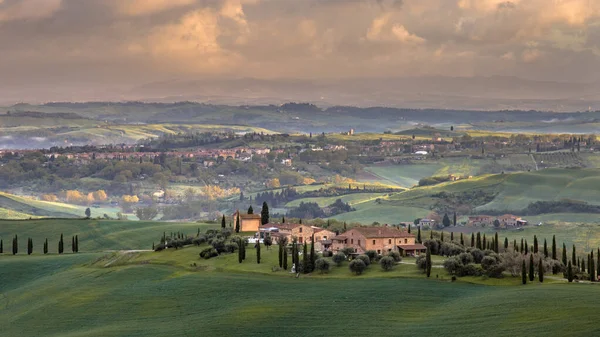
[15, 245]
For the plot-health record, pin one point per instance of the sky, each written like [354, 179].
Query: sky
[113, 43]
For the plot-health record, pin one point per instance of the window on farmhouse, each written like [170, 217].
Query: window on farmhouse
[373, 241]
[405, 240]
[300, 230]
[351, 241]
[390, 241]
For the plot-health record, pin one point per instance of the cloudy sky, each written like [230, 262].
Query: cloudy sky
[127, 42]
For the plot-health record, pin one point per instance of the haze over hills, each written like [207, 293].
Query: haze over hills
[473, 93]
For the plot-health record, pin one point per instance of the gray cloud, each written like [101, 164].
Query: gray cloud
[113, 42]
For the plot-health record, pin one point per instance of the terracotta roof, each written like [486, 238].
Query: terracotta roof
[382, 232]
[412, 247]
[339, 238]
[250, 216]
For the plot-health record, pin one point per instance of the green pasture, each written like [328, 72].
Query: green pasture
[94, 235]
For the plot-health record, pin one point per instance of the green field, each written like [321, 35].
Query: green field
[403, 175]
[94, 235]
[70, 296]
[353, 199]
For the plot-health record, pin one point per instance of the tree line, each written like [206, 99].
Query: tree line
[45, 245]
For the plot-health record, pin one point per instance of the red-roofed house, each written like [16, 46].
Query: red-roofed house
[379, 239]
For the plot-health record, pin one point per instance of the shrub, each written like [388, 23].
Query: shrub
[347, 251]
[432, 245]
[159, 247]
[338, 258]
[219, 245]
[387, 263]
[231, 247]
[450, 249]
[372, 255]
[472, 270]
[454, 265]
[421, 262]
[395, 255]
[357, 266]
[209, 252]
[477, 255]
[365, 259]
[488, 262]
[199, 240]
[322, 265]
[327, 253]
[465, 258]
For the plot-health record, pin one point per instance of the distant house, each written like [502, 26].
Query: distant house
[248, 222]
[505, 221]
[286, 162]
[426, 223]
[302, 233]
[380, 239]
[480, 220]
[509, 220]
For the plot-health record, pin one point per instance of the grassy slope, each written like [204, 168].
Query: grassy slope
[94, 235]
[35, 207]
[57, 296]
[352, 199]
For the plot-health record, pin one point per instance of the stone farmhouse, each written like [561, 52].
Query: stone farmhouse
[303, 233]
[506, 221]
[380, 239]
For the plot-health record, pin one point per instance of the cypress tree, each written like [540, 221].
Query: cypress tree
[280, 256]
[570, 272]
[462, 240]
[237, 222]
[258, 251]
[451, 236]
[305, 261]
[285, 258]
[419, 235]
[541, 271]
[545, 249]
[46, 246]
[564, 254]
[15, 249]
[478, 244]
[442, 236]
[496, 243]
[598, 259]
[297, 256]
[431, 234]
[472, 239]
[505, 243]
[283, 219]
[72, 244]
[535, 244]
[531, 268]
[240, 250]
[223, 224]
[76, 244]
[591, 267]
[454, 219]
[61, 245]
[29, 246]
[250, 210]
[484, 245]
[526, 248]
[515, 247]
[524, 273]
[1, 247]
[408, 228]
[553, 247]
[428, 262]
[583, 264]
[574, 256]
[243, 249]
[264, 213]
[313, 256]
[522, 247]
